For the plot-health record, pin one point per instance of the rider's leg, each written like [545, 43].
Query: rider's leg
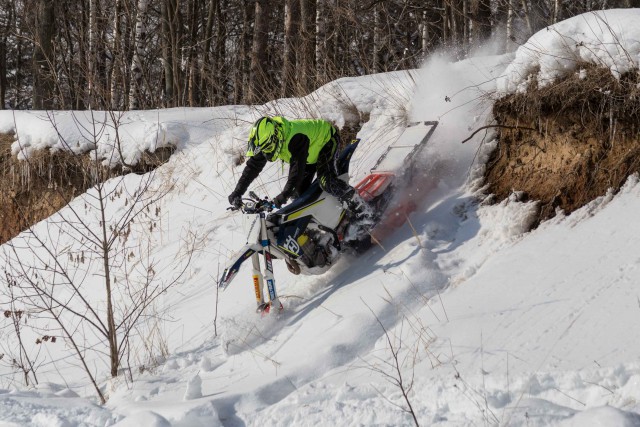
[328, 173]
[329, 181]
[309, 174]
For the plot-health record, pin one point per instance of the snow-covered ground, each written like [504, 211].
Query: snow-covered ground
[489, 324]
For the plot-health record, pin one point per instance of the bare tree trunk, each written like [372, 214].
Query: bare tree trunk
[377, 39]
[192, 20]
[509, 33]
[335, 29]
[3, 73]
[43, 79]
[95, 93]
[424, 34]
[111, 324]
[306, 68]
[291, 39]
[527, 16]
[242, 78]
[445, 22]
[212, 69]
[534, 15]
[457, 26]
[206, 67]
[538, 17]
[167, 55]
[5, 27]
[321, 41]
[137, 77]
[117, 83]
[466, 24]
[175, 38]
[220, 52]
[259, 65]
[558, 11]
[454, 23]
[92, 59]
[482, 21]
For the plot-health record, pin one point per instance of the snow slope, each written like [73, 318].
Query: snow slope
[489, 324]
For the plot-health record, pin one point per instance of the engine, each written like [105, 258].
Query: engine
[317, 252]
[316, 248]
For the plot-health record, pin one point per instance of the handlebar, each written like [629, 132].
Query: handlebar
[254, 204]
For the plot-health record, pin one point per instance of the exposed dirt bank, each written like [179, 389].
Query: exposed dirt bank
[587, 140]
[33, 190]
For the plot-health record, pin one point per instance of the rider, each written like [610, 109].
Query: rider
[308, 145]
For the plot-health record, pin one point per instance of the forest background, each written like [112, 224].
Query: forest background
[142, 54]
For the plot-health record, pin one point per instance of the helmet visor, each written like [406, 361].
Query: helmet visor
[268, 147]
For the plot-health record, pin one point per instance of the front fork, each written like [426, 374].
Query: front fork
[260, 278]
[258, 282]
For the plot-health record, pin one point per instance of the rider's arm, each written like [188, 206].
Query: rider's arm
[299, 149]
[254, 166]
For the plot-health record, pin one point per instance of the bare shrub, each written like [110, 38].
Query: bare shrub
[90, 276]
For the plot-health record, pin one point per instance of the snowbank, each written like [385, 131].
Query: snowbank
[607, 38]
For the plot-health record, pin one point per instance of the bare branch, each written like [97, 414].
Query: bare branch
[498, 126]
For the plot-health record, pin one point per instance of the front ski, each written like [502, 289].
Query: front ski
[265, 307]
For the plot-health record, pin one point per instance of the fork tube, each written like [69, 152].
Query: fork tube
[268, 264]
[258, 282]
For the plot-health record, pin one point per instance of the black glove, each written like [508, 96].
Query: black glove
[280, 200]
[235, 200]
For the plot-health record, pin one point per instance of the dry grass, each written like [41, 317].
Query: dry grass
[588, 140]
[33, 190]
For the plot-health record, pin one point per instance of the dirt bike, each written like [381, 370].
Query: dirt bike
[310, 233]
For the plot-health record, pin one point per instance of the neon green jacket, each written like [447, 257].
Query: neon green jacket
[318, 133]
[303, 140]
